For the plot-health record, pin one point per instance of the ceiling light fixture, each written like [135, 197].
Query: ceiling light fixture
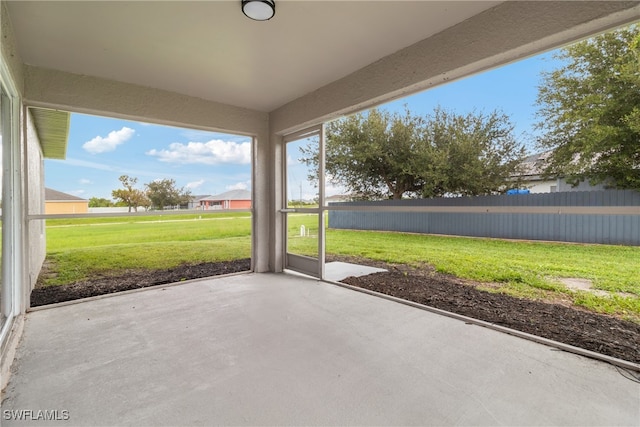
[259, 10]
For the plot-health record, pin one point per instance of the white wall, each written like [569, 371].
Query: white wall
[541, 186]
[560, 186]
[117, 209]
[33, 191]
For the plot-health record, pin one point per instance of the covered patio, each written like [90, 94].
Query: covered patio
[279, 349]
[267, 347]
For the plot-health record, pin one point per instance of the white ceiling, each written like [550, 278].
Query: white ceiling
[209, 49]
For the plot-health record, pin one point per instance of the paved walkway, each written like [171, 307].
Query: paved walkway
[265, 349]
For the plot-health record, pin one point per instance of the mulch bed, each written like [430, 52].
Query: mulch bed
[133, 279]
[571, 325]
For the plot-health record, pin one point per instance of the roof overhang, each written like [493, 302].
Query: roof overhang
[52, 128]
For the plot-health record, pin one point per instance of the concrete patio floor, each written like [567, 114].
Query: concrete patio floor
[265, 349]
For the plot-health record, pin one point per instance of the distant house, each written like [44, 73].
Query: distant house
[234, 199]
[57, 202]
[531, 177]
[194, 202]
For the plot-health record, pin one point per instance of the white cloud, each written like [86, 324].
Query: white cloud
[213, 152]
[204, 136]
[102, 145]
[238, 186]
[85, 181]
[195, 184]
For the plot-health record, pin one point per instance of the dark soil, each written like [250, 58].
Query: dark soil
[571, 325]
[132, 279]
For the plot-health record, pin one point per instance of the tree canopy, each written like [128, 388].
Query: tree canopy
[129, 195]
[100, 202]
[590, 111]
[163, 192]
[391, 155]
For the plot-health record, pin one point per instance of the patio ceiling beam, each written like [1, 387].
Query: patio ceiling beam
[505, 33]
[61, 90]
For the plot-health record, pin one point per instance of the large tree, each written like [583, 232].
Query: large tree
[163, 192]
[391, 155]
[371, 153]
[590, 111]
[129, 195]
[472, 155]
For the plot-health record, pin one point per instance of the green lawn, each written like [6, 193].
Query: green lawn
[81, 248]
[101, 245]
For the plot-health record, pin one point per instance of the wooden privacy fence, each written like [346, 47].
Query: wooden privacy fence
[608, 216]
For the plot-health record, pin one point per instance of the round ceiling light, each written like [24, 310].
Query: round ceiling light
[259, 10]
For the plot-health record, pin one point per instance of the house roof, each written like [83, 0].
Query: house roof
[51, 195]
[231, 195]
[533, 165]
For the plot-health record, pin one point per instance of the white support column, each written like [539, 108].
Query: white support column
[261, 202]
[13, 288]
[276, 196]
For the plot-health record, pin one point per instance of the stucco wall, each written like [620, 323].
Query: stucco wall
[541, 186]
[34, 197]
[8, 48]
[240, 204]
[560, 185]
[66, 207]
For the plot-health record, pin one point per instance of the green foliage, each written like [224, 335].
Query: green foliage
[99, 202]
[385, 155]
[163, 192]
[590, 111]
[129, 195]
[471, 155]
[373, 154]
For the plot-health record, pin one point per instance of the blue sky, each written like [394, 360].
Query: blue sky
[101, 149]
